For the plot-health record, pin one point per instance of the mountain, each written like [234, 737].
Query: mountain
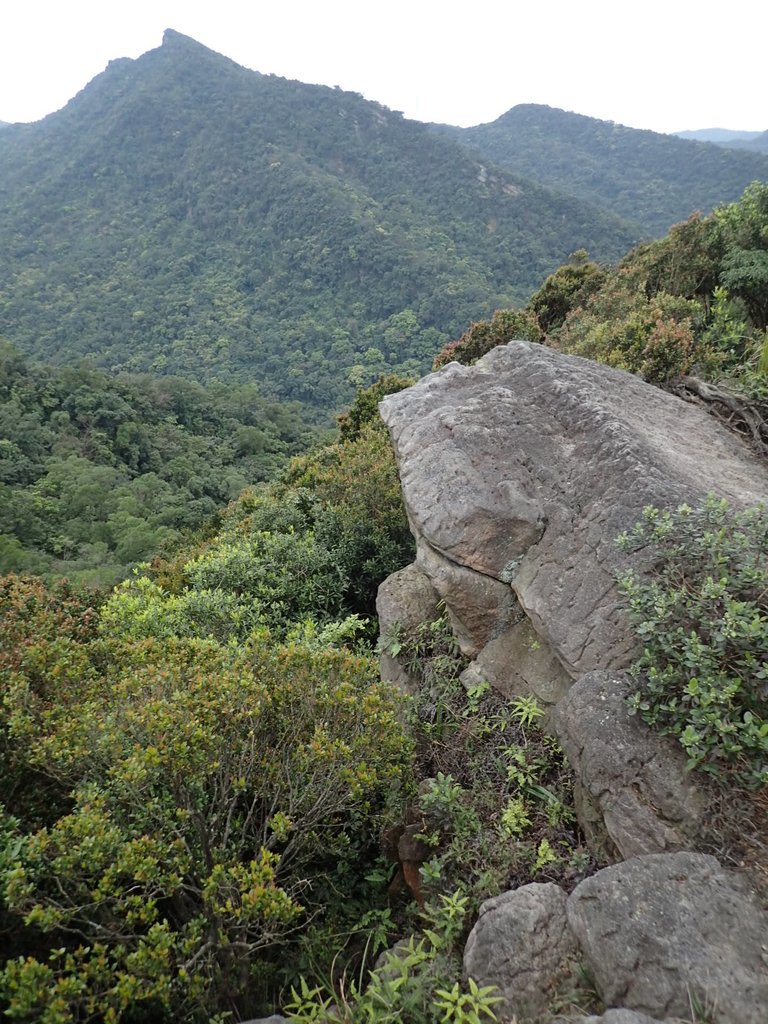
[651, 179]
[185, 215]
[721, 136]
[756, 141]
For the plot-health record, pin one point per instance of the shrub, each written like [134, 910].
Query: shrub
[495, 786]
[621, 327]
[217, 800]
[701, 613]
[504, 326]
[419, 981]
[570, 286]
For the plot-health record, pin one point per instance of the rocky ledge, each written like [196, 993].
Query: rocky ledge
[518, 474]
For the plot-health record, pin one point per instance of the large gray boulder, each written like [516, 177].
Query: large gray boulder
[667, 932]
[523, 469]
[521, 943]
[633, 787]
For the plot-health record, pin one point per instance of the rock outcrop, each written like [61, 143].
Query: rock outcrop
[522, 943]
[662, 936]
[633, 789]
[518, 474]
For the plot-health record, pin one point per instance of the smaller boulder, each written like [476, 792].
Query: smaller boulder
[409, 599]
[664, 932]
[521, 943]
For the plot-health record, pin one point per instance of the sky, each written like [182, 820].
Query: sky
[668, 66]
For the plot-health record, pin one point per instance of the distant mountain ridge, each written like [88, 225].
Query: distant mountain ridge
[183, 214]
[719, 135]
[756, 141]
[654, 180]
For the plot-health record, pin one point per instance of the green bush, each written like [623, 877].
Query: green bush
[504, 326]
[701, 613]
[621, 327]
[206, 803]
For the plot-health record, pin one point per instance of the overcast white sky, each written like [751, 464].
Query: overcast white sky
[667, 65]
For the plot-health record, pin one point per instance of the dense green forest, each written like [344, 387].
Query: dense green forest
[204, 780]
[97, 474]
[648, 179]
[184, 215]
[201, 769]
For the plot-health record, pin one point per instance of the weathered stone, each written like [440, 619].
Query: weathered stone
[666, 931]
[636, 779]
[518, 663]
[526, 466]
[408, 598]
[521, 943]
[478, 606]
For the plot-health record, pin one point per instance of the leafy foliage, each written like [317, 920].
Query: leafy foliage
[210, 799]
[622, 327]
[213, 756]
[694, 302]
[495, 801]
[570, 286]
[98, 474]
[307, 551]
[505, 325]
[419, 981]
[702, 617]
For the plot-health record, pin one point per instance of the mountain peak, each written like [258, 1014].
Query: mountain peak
[174, 39]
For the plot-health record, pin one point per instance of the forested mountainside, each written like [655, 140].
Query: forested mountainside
[759, 143]
[200, 771]
[185, 215]
[97, 474]
[650, 179]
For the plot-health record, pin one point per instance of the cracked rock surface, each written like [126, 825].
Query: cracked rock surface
[664, 932]
[521, 943]
[525, 467]
[635, 780]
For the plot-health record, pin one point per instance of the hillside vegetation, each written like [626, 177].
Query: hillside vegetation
[97, 474]
[198, 769]
[184, 215]
[649, 179]
[693, 304]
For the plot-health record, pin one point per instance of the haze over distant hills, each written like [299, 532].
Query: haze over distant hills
[183, 214]
[720, 135]
[647, 178]
[757, 141]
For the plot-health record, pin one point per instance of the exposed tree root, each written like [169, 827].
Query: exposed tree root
[735, 411]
